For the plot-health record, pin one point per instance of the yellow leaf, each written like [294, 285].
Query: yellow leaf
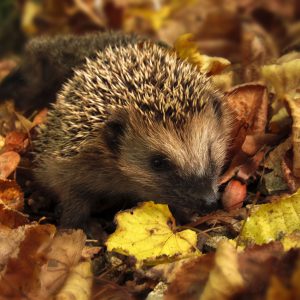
[291, 241]
[294, 105]
[187, 49]
[224, 279]
[155, 17]
[79, 283]
[30, 11]
[282, 78]
[280, 120]
[272, 221]
[159, 14]
[149, 234]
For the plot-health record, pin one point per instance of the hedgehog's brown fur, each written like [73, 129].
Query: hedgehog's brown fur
[122, 113]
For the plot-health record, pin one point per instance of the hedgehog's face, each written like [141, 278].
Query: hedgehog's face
[168, 164]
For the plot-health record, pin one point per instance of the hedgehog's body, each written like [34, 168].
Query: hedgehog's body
[49, 61]
[133, 121]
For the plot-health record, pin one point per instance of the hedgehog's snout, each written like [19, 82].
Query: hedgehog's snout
[199, 195]
[204, 200]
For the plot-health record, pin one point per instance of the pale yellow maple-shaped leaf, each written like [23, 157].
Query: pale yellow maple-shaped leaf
[148, 233]
[272, 221]
[224, 279]
[79, 283]
[187, 49]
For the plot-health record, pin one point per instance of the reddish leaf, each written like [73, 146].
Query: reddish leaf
[11, 194]
[8, 163]
[16, 141]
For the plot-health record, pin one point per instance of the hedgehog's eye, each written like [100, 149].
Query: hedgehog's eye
[160, 162]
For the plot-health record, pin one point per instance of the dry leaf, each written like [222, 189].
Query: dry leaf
[274, 181]
[104, 289]
[149, 233]
[40, 118]
[79, 283]
[11, 218]
[294, 105]
[250, 104]
[20, 276]
[282, 78]
[224, 279]
[291, 241]
[11, 194]
[63, 257]
[16, 141]
[8, 163]
[187, 49]
[213, 276]
[271, 221]
[190, 279]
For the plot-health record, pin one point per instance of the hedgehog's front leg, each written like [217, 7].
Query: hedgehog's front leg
[76, 208]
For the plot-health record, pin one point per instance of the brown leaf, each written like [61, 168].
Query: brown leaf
[245, 275]
[249, 104]
[11, 194]
[20, 277]
[11, 218]
[107, 290]
[259, 267]
[8, 163]
[292, 182]
[40, 118]
[258, 47]
[243, 166]
[191, 279]
[294, 105]
[256, 142]
[65, 253]
[16, 141]
[213, 276]
[274, 181]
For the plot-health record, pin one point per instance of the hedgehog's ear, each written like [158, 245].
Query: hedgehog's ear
[114, 130]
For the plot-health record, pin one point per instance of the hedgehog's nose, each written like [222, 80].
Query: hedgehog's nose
[205, 201]
[211, 201]
[210, 197]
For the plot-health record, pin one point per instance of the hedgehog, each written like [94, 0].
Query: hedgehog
[133, 121]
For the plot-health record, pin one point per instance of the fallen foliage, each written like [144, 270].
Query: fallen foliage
[149, 233]
[250, 51]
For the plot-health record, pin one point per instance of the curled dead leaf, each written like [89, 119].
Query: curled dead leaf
[16, 141]
[8, 163]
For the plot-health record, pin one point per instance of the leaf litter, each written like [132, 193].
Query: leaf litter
[251, 249]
